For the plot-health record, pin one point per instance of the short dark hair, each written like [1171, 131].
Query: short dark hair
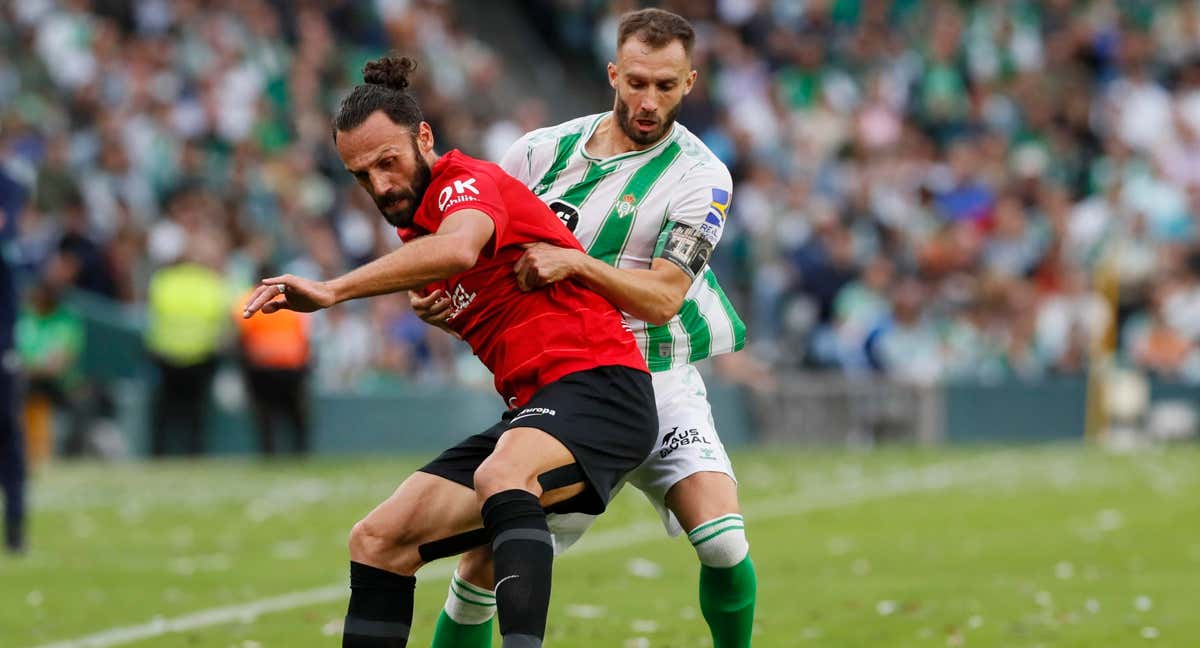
[384, 87]
[656, 28]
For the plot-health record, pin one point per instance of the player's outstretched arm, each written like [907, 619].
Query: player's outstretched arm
[452, 249]
[654, 295]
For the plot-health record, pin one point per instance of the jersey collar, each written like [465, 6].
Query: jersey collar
[620, 156]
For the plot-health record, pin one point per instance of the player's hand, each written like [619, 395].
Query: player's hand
[544, 264]
[290, 292]
[432, 309]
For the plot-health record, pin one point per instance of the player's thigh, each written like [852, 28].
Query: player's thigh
[688, 476]
[521, 455]
[701, 497]
[423, 509]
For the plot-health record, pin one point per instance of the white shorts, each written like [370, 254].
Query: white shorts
[687, 444]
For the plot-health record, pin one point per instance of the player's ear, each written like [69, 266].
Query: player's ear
[612, 75]
[424, 137]
[689, 82]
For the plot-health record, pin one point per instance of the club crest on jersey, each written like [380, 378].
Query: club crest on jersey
[627, 205]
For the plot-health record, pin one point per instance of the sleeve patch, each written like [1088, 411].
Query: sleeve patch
[457, 192]
[687, 247]
[720, 202]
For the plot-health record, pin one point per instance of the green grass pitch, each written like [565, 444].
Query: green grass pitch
[1044, 546]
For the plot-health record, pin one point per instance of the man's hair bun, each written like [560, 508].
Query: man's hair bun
[389, 71]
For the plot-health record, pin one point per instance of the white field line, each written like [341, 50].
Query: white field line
[936, 477]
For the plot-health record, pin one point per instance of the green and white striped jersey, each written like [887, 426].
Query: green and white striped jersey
[621, 210]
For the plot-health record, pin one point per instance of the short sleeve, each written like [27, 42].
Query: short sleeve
[463, 188]
[701, 201]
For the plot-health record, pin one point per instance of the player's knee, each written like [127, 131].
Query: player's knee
[721, 542]
[498, 474]
[387, 548]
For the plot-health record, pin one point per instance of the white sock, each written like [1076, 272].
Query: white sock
[468, 604]
[721, 542]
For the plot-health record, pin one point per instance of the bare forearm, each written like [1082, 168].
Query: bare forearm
[415, 265]
[644, 294]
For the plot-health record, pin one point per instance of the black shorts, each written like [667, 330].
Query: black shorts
[605, 416]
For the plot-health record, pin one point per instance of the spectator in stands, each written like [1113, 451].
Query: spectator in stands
[49, 342]
[927, 133]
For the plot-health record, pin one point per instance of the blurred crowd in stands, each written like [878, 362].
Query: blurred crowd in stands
[931, 190]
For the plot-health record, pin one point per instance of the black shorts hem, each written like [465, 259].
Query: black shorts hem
[605, 417]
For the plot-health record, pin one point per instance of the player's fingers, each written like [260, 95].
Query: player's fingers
[420, 303]
[439, 307]
[523, 280]
[521, 264]
[261, 296]
[275, 305]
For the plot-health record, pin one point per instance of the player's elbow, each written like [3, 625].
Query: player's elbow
[664, 310]
[460, 259]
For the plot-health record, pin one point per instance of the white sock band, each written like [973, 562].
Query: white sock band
[721, 542]
[467, 604]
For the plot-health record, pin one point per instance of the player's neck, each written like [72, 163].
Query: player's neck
[610, 140]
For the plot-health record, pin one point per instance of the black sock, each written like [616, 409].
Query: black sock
[524, 556]
[381, 608]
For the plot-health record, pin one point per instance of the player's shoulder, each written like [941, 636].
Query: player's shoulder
[550, 135]
[457, 163]
[702, 165]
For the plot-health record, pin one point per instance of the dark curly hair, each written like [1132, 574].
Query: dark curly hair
[384, 87]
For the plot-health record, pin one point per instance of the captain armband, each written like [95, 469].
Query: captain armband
[686, 247]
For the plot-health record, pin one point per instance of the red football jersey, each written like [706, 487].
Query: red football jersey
[526, 339]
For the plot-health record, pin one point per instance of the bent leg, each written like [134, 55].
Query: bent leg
[507, 484]
[706, 504]
[384, 556]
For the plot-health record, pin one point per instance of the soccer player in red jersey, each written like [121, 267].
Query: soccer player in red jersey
[581, 406]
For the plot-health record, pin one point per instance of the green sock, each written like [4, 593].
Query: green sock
[727, 599]
[474, 608]
[451, 634]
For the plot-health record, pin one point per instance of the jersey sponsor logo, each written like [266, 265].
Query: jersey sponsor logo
[532, 411]
[627, 205]
[567, 213]
[460, 191]
[460, 299]
[675, 440]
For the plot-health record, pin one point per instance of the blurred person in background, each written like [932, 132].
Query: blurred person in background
[274, 355]
[188, 307]
[17, 175]
[50, 338]
[906, 344]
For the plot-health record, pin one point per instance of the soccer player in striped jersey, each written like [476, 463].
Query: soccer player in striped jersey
[648, 201]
